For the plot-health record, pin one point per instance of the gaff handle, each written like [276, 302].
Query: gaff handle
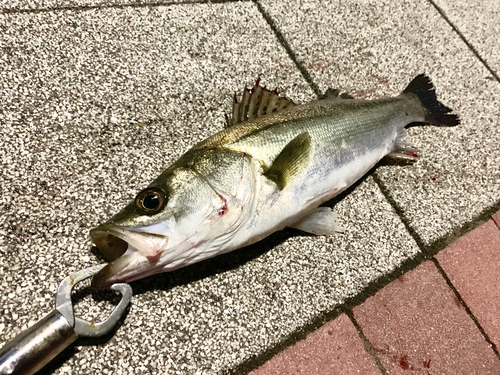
[33, 348]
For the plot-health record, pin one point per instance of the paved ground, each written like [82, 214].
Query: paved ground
[440, 318]
[97, 98]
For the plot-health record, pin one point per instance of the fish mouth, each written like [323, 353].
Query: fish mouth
[133, 254]
[110, 242]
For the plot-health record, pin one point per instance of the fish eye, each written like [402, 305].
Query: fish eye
[151, 200]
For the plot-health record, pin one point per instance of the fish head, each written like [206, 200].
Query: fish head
[164, 228]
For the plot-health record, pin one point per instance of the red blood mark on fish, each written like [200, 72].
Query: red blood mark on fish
[434, 179]
[406, 113]
[222, 209]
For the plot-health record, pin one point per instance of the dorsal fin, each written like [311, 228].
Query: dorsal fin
[257, 102]
[336, 94]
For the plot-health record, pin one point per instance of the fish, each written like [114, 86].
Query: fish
[271, 167]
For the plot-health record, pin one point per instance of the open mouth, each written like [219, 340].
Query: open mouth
[133, 255]
[109, 244]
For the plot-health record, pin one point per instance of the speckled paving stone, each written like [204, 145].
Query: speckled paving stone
[472, 263]
[478, 21]
[97, 103]
[334, 348]
[416, 325]
[374, 49]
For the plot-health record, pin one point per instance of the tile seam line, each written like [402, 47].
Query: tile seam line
[497, 224]
[6, 11]
[284, 43]
[464, 39]
[399, 212]
[420, 244]
[368, 345]
[426, 253]
[467, 309]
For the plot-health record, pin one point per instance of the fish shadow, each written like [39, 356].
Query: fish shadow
[211, 267]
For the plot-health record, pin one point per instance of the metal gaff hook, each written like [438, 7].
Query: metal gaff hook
[33, 348]
[82, 327]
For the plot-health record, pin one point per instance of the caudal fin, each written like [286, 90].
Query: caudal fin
[438, 113]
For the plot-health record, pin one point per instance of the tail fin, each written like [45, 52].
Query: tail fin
[437, 112]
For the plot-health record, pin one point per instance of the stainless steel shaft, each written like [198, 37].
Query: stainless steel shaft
[35, 347]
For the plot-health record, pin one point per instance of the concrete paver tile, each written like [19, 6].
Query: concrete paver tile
[472, 264]
[374, 49]
[416, 323]
[334, 348]
[95, 104]
[478, 22]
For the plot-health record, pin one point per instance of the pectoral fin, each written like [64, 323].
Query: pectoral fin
[322, 221]
[291, 162]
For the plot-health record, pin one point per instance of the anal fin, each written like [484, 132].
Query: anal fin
[291, 161]
[404, 150]
[322, 221]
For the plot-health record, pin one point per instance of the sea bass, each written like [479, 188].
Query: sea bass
[271, 168]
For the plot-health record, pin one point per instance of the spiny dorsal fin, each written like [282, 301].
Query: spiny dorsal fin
[336, 94]
[291, 161]
[257, 102]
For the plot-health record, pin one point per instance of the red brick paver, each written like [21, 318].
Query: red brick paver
[335, 348]
[416, 323]
[472, 263]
